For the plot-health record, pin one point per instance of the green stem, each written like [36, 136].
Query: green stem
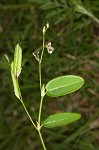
[41, 139]
[40, 78]
[40, 61]
[43, 47]
[24, 105]
[40, 109]
[40, 75]
[28, 114]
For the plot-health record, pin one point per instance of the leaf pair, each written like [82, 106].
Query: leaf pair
[58, 87]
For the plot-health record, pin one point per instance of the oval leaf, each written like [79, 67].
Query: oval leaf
[63, 85]
[60, 119]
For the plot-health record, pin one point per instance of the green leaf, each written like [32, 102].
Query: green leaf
[17, 60]
[15, 83]
[63, 85]
[60, 119]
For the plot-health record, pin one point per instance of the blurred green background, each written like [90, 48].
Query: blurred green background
[74, 33]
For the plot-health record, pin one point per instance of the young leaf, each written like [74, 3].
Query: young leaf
[60, 119]
[63, 85]
[15, 83]
[17, 60]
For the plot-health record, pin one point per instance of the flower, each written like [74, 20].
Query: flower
[50, 49]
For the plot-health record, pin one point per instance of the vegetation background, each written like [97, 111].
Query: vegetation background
[74, 33]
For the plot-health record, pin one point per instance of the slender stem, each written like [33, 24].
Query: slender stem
[40, 109]
[28, 114]
[24, 105]
[40, 75]
[43, 47]
[41, 139]
[40, 78]
[40, 61]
